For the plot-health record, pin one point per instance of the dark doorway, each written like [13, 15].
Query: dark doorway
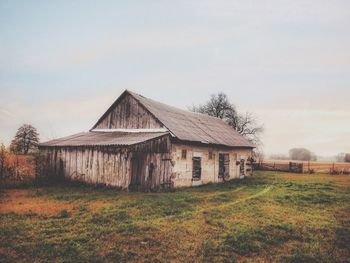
[61, 169]
[137, 162]
[197, 168]
[241, 168]
[224, 166]
[150, 176]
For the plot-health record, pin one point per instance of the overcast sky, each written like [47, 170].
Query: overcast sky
[62, 63]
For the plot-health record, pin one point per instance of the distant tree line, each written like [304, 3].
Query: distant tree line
[297, 154]
[302, 154]
[343, 157]
[279, 156]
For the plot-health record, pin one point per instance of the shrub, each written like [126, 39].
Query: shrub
[64, 213]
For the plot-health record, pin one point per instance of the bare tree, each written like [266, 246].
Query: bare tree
[258, 155]
[26, 139]
[220, 106]
[347, 158]
[301, 154]
[340, 157]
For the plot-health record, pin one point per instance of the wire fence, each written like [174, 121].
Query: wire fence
[304, 167]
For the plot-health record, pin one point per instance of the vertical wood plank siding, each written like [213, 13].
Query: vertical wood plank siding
[111, 165]
[128, 114]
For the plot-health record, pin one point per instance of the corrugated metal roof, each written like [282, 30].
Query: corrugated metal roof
[195, 127]
[104, 139]
[182, 124]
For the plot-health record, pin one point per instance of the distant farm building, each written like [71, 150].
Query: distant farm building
[141, 144]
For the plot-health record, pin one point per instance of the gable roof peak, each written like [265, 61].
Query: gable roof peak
[187, 125]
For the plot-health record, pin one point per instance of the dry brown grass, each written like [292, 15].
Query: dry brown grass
[270, 217]
[339, 180]
[24, 201]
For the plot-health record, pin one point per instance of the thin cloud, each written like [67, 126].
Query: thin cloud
[5, 113]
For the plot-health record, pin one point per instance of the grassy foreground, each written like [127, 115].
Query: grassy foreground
[270, 217]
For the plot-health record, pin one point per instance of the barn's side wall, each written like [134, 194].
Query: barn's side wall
[152, 165]
[109, 165]
[92, 165]
[182, 170]
[128, 114]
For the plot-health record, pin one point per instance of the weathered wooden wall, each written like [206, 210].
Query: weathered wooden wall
[152, 165]
[182, 170]
[150, 171]
[154, 153]
[128, 114]
[111, 165]
[92, 165]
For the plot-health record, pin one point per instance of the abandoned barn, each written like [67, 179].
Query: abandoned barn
[141, 144]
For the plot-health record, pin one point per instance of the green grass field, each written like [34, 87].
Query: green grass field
[270, 217]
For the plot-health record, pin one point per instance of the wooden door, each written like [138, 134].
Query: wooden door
[137, 162]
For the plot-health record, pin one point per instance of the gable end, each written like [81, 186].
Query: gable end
[127, 113]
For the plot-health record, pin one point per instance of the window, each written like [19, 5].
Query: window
[184, 154]
[210, 155]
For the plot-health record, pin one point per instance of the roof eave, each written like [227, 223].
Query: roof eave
[177, 140]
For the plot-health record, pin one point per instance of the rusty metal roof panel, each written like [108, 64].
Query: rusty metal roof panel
[191, 126]
[104, 139]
